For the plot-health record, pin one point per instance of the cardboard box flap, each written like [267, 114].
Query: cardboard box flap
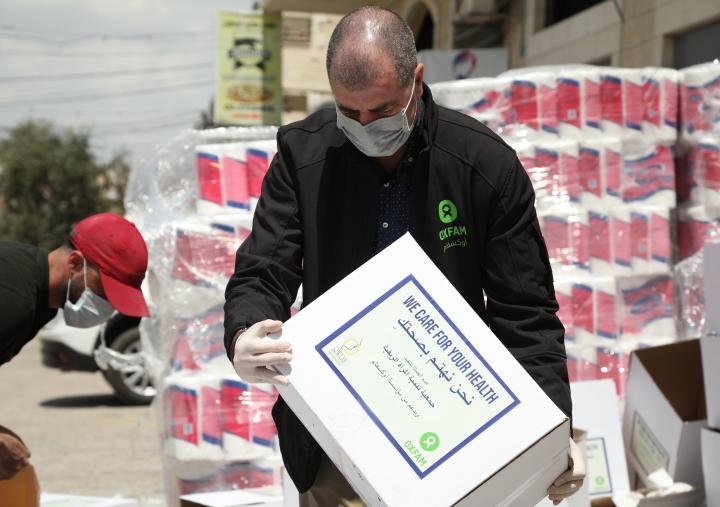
[677, 371]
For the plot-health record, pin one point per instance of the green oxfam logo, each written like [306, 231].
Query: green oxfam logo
[447, 211]
[429, 441]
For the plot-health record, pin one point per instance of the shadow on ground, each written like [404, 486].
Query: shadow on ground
[90, 400]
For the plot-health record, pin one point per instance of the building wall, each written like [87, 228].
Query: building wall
[599, 35]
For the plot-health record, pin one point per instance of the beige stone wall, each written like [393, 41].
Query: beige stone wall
[598, 33]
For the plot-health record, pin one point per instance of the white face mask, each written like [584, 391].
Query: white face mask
[382, 137]
[89, 310]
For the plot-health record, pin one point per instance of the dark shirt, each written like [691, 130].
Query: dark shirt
[394, 197]
[24, 278]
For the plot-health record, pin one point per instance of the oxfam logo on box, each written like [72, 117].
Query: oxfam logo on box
[429, 441]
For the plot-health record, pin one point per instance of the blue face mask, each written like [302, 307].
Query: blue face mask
[382, 137]
[89, 310]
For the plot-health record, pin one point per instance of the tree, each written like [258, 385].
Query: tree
[50, 180]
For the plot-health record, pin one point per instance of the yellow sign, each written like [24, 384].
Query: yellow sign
[248, 81]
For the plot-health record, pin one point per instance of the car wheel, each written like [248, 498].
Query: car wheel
[132, 384]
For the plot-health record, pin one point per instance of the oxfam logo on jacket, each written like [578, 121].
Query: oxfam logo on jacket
[447, 211]
[454, 235]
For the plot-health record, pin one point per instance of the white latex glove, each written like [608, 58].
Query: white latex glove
[571, 480]
[254, 352]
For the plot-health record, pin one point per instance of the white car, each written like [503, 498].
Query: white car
[73, 349]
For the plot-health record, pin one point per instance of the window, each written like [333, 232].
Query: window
[697, 46]
[558, 10]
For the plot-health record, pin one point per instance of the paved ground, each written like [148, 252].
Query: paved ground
[83, 441]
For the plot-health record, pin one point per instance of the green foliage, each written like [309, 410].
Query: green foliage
[50, 180]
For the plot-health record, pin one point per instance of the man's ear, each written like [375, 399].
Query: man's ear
[76, 261]
[419, 73]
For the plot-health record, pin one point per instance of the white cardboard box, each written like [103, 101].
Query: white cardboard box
[55, 500]
[710, 347]
[233, 498]
[413, 398]
[595, 410]
[711, 466]
[665, 411]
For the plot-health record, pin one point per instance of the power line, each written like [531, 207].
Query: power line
[35, 29]
[60, 52]
[18, 32]
[90, 96]
[188, 124]
[81, 75]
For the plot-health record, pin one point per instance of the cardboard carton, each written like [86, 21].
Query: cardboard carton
[413, 398]
[711, 466]
[595, 409]
[233, 498]
[665, 411]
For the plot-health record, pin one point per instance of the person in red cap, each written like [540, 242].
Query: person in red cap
[97, 273]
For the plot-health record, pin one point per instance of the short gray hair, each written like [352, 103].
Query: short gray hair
[357, 66]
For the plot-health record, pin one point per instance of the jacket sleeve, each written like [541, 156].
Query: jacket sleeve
[521, 303]
[268, 265]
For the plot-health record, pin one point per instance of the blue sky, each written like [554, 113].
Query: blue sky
[135, 72]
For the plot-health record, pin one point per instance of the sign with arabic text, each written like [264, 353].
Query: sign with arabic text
[417, 376]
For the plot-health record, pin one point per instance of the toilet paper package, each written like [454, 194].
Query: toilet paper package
[247, 426]
[648, 174]
[648, 308]
[607, 328]
[703, 166]
[640, 234]
[485, 99]
[697, 225]
[660, 103]
[533, 105]
[259, 155]
[622, 240]
[611, 165]
[611, 102]
[661, 251]
[700, 100]
[235, 177]
[209, 177]
[633, 110]
[592, 184]
[191, 404]
[600, 243]
[578, 103]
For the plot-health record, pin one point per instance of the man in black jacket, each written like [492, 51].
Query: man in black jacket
[347, 183]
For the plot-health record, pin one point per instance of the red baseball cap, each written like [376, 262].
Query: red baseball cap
[117, 248]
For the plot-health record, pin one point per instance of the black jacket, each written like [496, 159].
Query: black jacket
[24, 279]
[316, 223]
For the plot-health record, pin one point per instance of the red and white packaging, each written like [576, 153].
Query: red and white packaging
[648, 174]
[611, 166]
[583, 312]
[697, 225]
[485, 99]
[607, 325]
[533, 105]
[611, 102]
[700, 100]
[600, 242]
[259, 155]
[660, 103]
[622, 240]
[590, 173]
[661, 247]
[647, 312]
[633, 103]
